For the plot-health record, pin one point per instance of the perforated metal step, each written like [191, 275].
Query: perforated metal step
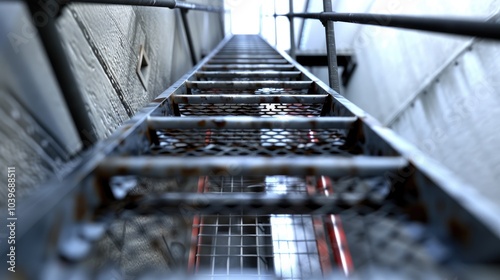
[249, 166]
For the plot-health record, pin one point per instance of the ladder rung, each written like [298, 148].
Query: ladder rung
[248, 203]
[250, 54]
[248, 122]
[242, 85]
[247, 61]
[335, 166]
[248, 51]
[248, 67]
[240, 46]
[246, 56]
[248, 98]
[248, 74]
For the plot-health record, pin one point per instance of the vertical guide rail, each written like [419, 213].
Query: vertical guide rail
[60, 63]
[292, 32]
[189, 38]
[333, 73]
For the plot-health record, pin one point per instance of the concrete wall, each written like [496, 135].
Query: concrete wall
[440, 92]
[103, 45]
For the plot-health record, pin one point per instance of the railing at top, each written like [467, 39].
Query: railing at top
[458, 26]
[172, 4]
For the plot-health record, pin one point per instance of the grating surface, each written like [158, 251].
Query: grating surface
[295, 245]
[233, 244]
[262, 91]
[257, 110]
[379, 233]
[249, 76]
[373, 234]
[280, 245]
[263, 142]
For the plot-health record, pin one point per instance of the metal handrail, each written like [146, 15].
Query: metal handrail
[172, 4]
[458, 26]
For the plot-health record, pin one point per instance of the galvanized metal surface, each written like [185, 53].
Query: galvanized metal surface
[405, 191]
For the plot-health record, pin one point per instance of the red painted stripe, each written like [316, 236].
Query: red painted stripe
[192, 263]
[336, 232]
[319, 232]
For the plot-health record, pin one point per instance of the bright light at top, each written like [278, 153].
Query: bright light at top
[256, 17]
[245, 16]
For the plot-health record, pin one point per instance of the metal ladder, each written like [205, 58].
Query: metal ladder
[250, 166]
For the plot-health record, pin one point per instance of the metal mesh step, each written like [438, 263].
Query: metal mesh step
[248, 75]
[251, 167]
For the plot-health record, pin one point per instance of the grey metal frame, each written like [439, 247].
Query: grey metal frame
[63, 213]
[67, 208]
